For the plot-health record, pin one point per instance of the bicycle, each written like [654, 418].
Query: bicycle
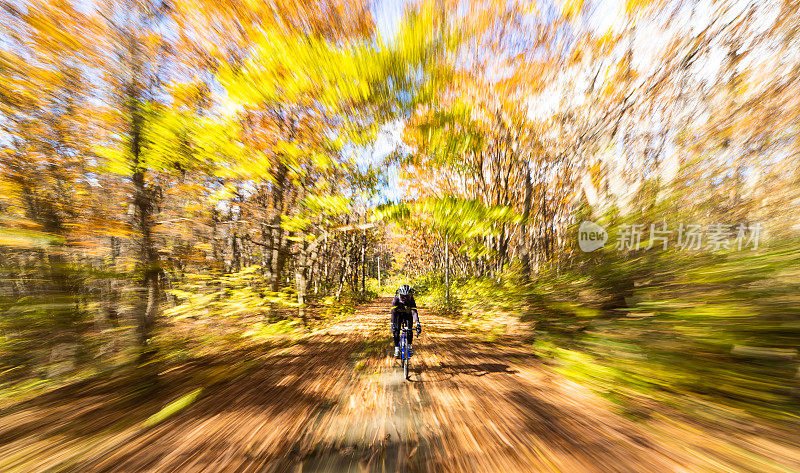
[405, 356]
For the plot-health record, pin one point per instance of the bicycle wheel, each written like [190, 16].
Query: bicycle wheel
[404, 353]
[406, 362]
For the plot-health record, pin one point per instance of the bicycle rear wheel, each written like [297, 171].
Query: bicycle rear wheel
[404, 352]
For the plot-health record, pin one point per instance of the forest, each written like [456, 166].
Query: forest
[207, 206]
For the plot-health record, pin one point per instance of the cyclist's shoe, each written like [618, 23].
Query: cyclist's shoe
[397, 352]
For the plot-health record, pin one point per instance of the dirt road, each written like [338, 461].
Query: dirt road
[337, 403]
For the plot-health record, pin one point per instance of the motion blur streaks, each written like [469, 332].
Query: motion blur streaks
[205, 206]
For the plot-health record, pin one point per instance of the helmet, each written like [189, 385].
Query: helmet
[404, 290]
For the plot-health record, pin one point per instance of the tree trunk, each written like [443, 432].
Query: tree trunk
[524, 231]
[112, 303]
[236, 257]
[278, 256]
[149, 265]
[447, 269]
[148, 260]
[300, 280]
[344, 273]
[363, 265]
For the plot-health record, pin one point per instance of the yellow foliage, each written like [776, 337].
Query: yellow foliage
[572, 8]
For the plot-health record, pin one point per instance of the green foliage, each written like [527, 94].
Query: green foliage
[722, 327]
[333, 309]
[48, 334]
[232, 295]
[173, 408]
[471, 297]
[264, 332]
[430, 293]
[465, 222]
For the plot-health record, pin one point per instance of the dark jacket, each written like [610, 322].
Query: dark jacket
[409, 306]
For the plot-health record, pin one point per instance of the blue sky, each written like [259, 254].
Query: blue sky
[387, 15]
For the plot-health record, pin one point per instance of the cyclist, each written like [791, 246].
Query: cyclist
[404, 308]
